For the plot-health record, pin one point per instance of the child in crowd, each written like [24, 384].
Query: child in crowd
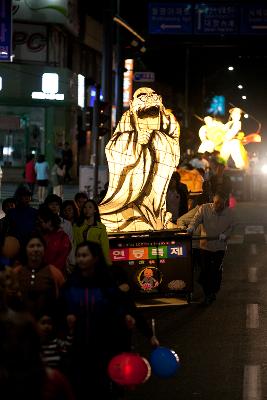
[54, 350]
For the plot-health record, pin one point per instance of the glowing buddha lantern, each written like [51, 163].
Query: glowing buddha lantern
[142, 154]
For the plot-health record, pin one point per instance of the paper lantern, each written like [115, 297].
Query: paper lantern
[11, 247]
[164, 362]
[129, 369]
[142, 155]
[232, 201]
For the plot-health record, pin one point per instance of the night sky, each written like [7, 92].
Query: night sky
[209, 57]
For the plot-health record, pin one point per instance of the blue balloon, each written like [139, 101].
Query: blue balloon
[164, 362]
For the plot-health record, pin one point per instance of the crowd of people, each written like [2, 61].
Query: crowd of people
[58, 285]
[37, 173]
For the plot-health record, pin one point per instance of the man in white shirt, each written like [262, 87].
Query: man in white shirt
[216, 221]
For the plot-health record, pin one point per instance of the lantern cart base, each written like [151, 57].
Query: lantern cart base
[157, 264]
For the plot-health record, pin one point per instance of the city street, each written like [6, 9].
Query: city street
[153, 109]
[222, 347]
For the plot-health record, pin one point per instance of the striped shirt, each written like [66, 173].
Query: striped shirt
[54, 351]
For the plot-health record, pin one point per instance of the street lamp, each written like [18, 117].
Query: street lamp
[240, 87]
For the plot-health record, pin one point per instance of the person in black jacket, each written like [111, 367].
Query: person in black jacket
[220, 182]
[182, 190]
[101, 315]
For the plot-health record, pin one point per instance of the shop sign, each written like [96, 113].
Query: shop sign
[49, 88]
[5, 30]
[9, 122]
[144, 76]
[62, 12]
[30, 42]
[128, 82]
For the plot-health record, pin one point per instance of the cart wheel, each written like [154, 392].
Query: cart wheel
[189, 297]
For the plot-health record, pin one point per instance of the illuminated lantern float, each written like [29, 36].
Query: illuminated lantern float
[142, 155]
[227, 138]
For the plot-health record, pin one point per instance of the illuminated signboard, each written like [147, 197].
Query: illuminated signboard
[128, 82]
[6, 31]
[154, 266]
[81, 93]
[49, 88]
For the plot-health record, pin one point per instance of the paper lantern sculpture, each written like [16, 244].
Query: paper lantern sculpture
[211, 134]
[232, 145]
[252, 138]
[227, 138]
[142, 155]
[129, 369]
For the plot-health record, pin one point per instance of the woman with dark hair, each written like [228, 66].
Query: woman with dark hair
[58, 244]
[90, 227]
[69, 211]
[183, 192]
[39, 282]
[79, 199]
[95, 303]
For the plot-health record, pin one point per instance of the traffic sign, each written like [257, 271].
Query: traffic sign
[216, 19]
[254, 19]
[170, 18]
[144, 77]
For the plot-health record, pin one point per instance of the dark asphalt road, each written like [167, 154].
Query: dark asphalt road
[222, 347]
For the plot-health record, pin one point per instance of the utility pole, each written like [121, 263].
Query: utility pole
[95, 141]
[186, 89]
[119, 71]
[120, 60]
[107, 60]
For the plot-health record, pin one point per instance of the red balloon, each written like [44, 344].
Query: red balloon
[129, 369]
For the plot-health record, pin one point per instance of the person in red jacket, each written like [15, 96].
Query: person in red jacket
[58, 244]
[30, 175]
